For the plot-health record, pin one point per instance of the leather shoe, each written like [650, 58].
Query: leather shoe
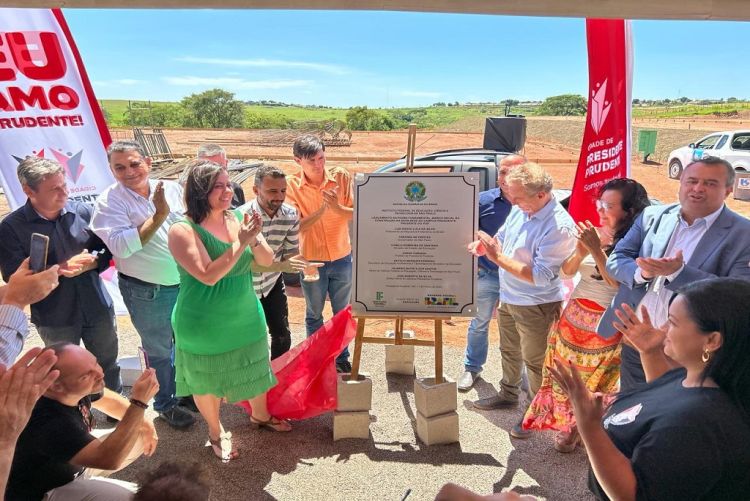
[188, 403]
[466, 381]
[518, 432]
[177, 417]
[500, 401]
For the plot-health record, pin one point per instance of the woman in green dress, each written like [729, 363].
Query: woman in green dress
[221, 347]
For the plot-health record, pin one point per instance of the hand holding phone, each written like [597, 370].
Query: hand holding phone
[143, 358]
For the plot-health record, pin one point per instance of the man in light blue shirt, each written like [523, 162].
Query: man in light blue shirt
[529, 249]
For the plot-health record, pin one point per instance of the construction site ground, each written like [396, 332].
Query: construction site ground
[392, 461]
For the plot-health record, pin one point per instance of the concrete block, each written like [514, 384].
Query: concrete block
[440, 429]
[434, 399]
[354, 395]
[130, 370]
[408, 333]
[399, 359]
[351, 425]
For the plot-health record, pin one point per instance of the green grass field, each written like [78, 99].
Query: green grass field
[262, 117]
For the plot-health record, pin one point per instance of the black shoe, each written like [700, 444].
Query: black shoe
[177, 418]
[188, 403]
[343, 367]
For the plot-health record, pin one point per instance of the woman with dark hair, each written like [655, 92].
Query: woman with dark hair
[221, 349]
[685, 434]
[574, 336]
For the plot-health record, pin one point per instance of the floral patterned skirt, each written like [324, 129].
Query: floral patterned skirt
[597, 360]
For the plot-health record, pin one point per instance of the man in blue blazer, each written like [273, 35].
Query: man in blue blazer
[673, 245]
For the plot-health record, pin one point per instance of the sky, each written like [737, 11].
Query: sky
[389, 59]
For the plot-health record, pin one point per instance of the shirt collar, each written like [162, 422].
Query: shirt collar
[327, 177]
[31, 213]
[709, 220]
[545, 211]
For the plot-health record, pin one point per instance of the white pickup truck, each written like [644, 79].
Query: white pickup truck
[733, 146]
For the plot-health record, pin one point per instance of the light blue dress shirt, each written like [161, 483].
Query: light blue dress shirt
[543, 241]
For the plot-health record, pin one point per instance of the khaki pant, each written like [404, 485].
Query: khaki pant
[94, 485]
[524, 331]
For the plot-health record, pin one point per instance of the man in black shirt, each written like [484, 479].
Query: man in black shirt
[58, 455]
[80, 308]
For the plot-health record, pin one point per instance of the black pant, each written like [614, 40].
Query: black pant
[632, 375]
[277, 317]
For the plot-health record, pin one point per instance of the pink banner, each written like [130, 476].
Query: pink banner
[47, 105]
[605, 151]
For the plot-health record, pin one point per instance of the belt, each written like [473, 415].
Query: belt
[143, 283]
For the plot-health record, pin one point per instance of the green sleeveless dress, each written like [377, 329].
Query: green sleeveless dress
[221, 346]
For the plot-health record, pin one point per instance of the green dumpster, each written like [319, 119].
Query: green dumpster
[646, 142]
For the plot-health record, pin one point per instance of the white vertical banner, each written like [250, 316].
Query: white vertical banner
[47, 106]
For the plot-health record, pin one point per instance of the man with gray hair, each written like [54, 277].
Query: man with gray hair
[529, 249]
[494, 206]
[133, 217]
[80, 308]
[281, 231]
[216, 154]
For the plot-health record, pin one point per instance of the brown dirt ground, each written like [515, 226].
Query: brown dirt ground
[552, 141]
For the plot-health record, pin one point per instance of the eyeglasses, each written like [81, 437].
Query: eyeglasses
[602, 205]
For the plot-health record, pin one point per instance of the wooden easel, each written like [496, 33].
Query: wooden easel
[437, 342]
[398, 340]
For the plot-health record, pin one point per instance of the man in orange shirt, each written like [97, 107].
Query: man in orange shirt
[323, 198]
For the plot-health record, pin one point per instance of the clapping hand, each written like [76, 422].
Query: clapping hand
[588, 407]
[652, 267]
[20, 388]
[640, 334]
[492, 246]
[476, 248]
[250, 228]
[77, 264]
[588, 236]
[160, 200]
[331, 198]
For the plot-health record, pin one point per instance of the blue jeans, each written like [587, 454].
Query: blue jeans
[99, 337]
[488, 291]
[150, 307]
[336, 282]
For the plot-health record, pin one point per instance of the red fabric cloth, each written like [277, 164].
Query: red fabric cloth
[306, 374]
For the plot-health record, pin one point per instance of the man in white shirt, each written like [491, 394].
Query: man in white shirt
[673, 245]
[133, 217]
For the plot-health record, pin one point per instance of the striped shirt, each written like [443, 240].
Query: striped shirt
[328, 238]
[13, 331]
[282, 234]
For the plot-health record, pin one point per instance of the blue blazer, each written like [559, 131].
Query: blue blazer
[724, 251]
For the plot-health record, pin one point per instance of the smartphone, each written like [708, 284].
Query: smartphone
[38, 252]
[143, 358]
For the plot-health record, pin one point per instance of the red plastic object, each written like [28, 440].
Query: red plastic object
[306, 374]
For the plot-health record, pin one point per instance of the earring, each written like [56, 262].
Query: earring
[705, 356]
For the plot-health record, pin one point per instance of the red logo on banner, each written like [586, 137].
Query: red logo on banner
[27, 57]
[605, 149]
[37, 55]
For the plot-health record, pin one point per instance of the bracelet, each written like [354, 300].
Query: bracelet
[257, 243]
[138, 403]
